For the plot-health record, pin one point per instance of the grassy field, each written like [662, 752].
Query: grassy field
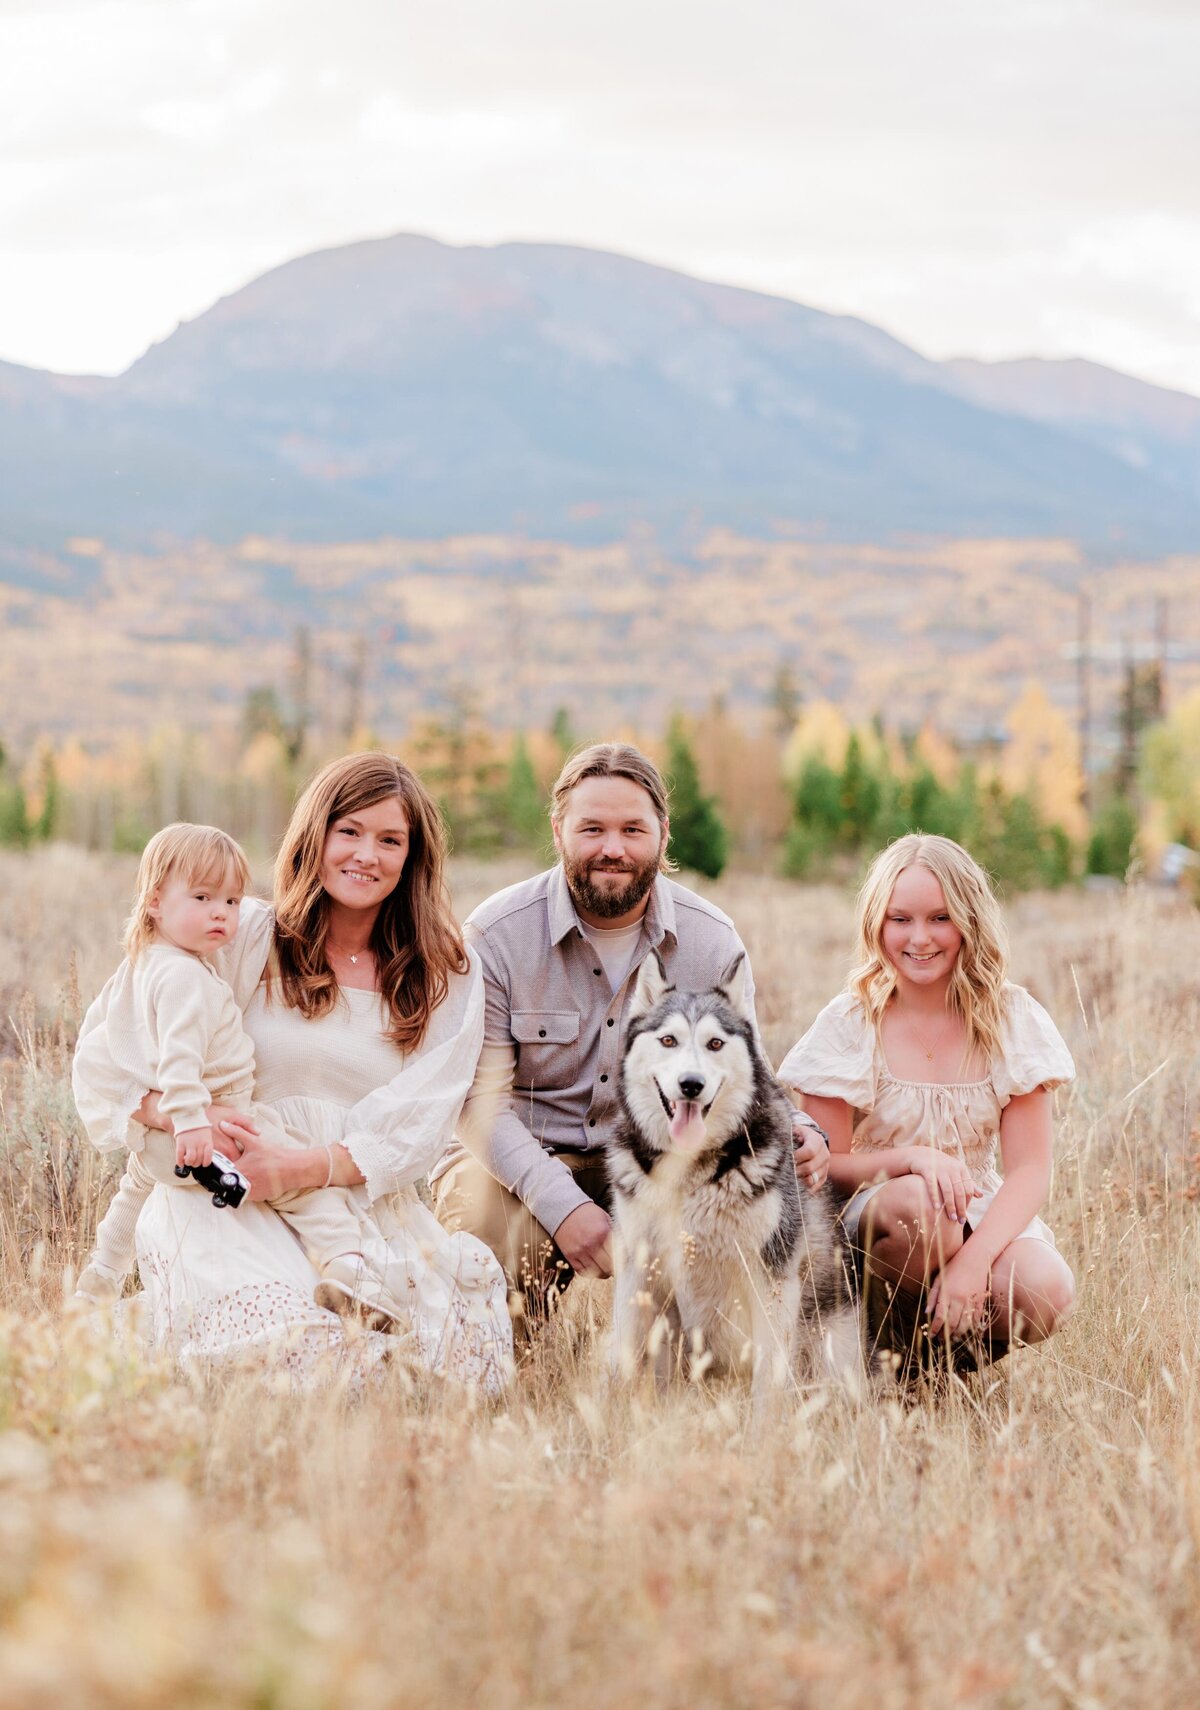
[1028, 1538]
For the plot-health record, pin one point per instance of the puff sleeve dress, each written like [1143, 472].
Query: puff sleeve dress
[841, 1056]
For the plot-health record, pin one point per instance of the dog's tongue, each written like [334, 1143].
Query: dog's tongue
[687, 1125]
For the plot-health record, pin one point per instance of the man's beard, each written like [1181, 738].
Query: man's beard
[609, 901]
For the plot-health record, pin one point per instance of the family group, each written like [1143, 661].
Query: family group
[421, 1110]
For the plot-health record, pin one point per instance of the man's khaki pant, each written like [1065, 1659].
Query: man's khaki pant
[468, 1198]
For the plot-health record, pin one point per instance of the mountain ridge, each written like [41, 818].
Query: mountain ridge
[399, 385]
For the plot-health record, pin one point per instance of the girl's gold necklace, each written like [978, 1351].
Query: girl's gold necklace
[921, 1043]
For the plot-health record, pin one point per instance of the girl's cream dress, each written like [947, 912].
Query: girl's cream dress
[841, 1056]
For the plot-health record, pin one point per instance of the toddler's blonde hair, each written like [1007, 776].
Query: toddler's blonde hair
[198, 854]
[977, 984]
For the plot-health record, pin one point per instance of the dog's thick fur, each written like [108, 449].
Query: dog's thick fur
[722, 1263]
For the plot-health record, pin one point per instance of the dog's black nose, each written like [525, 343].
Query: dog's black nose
[691, 1088]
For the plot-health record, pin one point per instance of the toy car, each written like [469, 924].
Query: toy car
[223, 1179]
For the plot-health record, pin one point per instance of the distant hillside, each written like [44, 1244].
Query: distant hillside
[404, 387]
[1148, 427]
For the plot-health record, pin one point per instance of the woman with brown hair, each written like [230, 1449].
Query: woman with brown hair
[366, 1012]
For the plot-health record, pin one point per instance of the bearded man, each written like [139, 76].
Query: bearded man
[560, 956]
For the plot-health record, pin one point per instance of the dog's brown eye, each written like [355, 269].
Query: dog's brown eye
[669, 1040]
[716, 1044]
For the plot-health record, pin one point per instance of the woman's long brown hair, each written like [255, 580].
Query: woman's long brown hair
[416, 941]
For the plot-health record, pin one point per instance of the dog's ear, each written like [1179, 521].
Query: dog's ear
[652, 986]
[734, 982]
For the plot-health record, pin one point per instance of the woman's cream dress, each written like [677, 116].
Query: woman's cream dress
[222, 1284]
[841, 1056]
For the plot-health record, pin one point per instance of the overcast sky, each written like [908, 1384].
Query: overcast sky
[982, 177]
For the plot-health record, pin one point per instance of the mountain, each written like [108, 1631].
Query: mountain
[1150, 428]
[406, 387]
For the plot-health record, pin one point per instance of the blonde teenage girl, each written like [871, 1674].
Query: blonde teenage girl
[927, 1066]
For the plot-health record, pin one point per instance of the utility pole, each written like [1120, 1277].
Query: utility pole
[1083, 679]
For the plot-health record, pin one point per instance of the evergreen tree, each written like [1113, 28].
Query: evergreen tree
[47, 817]
[860, 795]
[933, 809]
[1141, 706]
[14, 816]
[817, 812]
[15, 829]
[261, 714]
[1058, 858]
[523, 803]
[1110, 847]
[698, 838]
[1020, 848]
[563, 732]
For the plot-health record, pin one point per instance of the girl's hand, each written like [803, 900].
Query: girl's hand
[958, 1300]
[947, 1180]
[194, 1146]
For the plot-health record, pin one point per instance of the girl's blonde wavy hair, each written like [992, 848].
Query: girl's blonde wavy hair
[199, 855]
[416, 940]
[976, 991]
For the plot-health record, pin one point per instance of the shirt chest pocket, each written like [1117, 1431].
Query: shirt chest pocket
[547, 1048]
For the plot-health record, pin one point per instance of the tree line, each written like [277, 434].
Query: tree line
[805, 790]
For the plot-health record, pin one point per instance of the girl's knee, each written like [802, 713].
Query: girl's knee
[902, 1212]
[1035, 1296]
[900, 1208]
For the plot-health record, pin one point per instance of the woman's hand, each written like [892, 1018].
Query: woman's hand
[958, 1300]
[235, 1128]
[147, 1114]
[271, 1170]
[948, 1181]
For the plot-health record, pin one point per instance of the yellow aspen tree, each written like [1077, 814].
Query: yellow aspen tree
[1041, 760]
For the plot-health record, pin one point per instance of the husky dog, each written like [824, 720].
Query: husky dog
[722, 1263]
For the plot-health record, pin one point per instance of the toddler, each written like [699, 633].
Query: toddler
[167, 1021]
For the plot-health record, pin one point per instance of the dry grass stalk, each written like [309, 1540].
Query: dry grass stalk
[1030, 1537]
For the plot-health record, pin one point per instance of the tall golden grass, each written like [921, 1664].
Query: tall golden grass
[1028, 1537]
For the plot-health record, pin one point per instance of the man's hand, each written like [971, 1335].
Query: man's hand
[194, 1146]
[584, 1238]
[810, 1152]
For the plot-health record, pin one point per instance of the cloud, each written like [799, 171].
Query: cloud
[955, 172]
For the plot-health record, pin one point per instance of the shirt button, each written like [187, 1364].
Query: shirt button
[604, 1077]
[609, 1022]
[591, 1121]
[595, 970]
[541, 1032]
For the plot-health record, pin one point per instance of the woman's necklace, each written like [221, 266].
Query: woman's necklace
[350, 955]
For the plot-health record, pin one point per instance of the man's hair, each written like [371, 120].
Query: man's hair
[613, 760]
[198, 854]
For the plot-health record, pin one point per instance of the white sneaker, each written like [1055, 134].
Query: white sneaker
[99, 1285]
[348, 1288]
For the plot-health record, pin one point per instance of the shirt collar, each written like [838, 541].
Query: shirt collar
[659, 917]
